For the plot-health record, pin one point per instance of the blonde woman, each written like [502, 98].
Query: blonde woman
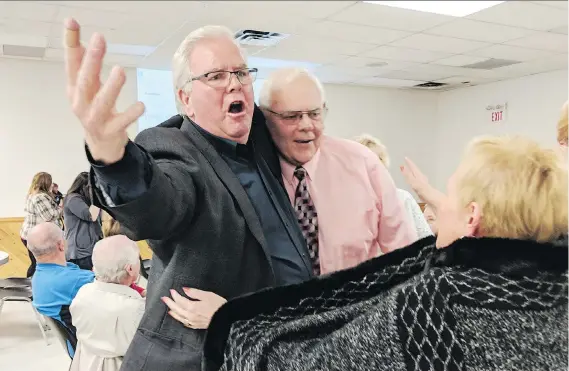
[489, 294]
[40, 207]
[412, 207]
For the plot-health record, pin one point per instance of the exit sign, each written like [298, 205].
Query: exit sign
[498, 112]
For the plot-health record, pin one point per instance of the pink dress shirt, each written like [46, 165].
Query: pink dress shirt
[360, 214]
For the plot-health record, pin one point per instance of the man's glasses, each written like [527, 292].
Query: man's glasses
[221, 79]
[294, 117]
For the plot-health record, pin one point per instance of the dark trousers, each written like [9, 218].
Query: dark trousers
[83, 263]
[32, 267]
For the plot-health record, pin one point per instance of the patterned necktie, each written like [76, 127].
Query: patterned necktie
[307, 217]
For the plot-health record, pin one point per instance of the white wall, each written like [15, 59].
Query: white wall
[534, 107]
[38, 131]
[402, 120]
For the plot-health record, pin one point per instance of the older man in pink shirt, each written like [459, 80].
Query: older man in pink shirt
[354, 213]
[346, 202]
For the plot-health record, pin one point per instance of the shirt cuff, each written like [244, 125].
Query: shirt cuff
[127, 170]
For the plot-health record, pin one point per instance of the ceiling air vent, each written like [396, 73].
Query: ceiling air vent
[431, 85]
[23, 51]
[259, 38]
[490, 64]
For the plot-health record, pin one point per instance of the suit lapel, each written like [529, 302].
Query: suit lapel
[229, 179]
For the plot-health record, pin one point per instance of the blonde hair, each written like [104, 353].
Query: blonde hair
[562, 126]
[110, 226]
[520, 186]
[40, 183]
[376, 146]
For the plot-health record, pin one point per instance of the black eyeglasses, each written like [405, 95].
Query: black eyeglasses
[221, 79]
[294, 117]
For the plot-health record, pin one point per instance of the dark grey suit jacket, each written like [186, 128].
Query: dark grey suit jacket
[204, 233]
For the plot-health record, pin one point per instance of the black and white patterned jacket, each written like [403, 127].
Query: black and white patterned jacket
[479, 304]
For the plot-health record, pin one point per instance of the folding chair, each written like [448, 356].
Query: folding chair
[22, 294]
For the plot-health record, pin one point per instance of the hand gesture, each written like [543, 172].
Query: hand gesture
[93, 102]
[414, 177]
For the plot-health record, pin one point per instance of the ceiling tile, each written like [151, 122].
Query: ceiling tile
[298, 43]
[438, 43]
[463, 79]
[479, 31]
[404, 54]
[557, 4]
[305, 9]
[452, 71]
[306, 56]
[280, 25]
[29, 11]
[523, 14]
[22, 40]
[557, 62]
[510, 52]
[330, 76]
[94, 18]
[123, 60]
[53, 54]
[362, 62]
[562, 30]
[21, 26]
[544, 41]
[416, 75]
[351, 71]
[395, 83]
[353, 32]
[459, 60]
[389, 17]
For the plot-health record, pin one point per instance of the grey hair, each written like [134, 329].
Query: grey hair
[282, 77]
[181, 60]
[44, 238]
[376, 146]
[110, 257]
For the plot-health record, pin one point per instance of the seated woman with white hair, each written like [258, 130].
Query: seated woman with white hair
[489, 294]
[107, 312]
[411, 206]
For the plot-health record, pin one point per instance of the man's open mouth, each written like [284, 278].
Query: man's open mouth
[304, 141]
[237, 106]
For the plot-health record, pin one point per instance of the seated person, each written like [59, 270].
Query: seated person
[489, 294]
[431, 218]
[55, 282]
[106, 313]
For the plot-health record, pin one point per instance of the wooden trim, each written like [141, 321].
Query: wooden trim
[19, 219]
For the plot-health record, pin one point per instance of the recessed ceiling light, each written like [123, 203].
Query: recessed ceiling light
[452, 8]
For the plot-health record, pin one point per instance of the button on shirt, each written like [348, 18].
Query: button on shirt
[360, 214]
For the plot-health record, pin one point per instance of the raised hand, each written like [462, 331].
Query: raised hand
[420, 184]
[93, 102]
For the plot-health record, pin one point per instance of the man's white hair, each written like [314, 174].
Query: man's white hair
[110, 257]
[181, 61]
[44, 238]
[282, 77]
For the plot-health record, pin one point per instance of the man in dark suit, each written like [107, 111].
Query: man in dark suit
[203, 188]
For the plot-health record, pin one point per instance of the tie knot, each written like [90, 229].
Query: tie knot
[300, 172]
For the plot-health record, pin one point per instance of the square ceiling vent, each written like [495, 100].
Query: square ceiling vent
[259, 38]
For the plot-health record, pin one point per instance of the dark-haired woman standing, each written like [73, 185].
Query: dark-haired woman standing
[82, 223]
